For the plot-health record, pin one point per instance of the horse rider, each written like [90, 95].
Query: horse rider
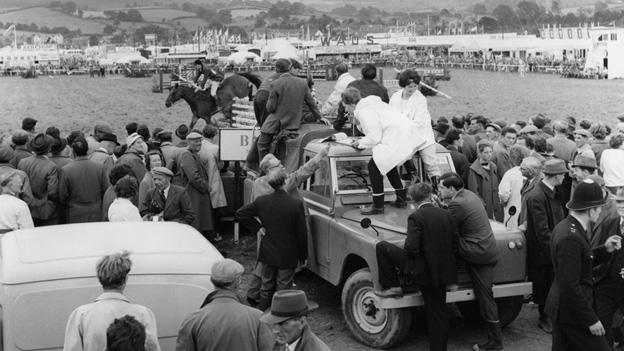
[211, 78]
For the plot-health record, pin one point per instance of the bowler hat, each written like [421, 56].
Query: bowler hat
[162, 171]
[555, 166]
[182, 131]
[282, 65]
[583, 132]
[584, 161]
[40, 144]
[28, 123]
[6, 152]
[288, 304]
[588, 194]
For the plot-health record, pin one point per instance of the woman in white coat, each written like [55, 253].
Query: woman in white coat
[413, 105]
[393, 138]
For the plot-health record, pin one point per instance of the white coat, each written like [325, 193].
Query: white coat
[415, 109]
[393, 138]
[330, 107]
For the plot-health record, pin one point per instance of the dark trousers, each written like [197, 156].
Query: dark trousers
[573, 337]
[437, 316]
[542, 278]
[390, 261]
[608, 298]
[45, 222]
[259, 105]
[273, 279]
[377, 178]
[481, 277]
[264, 144]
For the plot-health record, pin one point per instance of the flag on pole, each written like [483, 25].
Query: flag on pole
[8, 30]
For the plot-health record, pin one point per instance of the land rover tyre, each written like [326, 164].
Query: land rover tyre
[370, 324]
[508, 309]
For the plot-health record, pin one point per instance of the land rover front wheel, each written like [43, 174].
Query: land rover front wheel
[369, 323]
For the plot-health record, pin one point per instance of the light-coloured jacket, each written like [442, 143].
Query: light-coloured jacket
[209, 156]
[415, 109]
[509, 194]
[87, 324]
[392, 136]
[330, 107]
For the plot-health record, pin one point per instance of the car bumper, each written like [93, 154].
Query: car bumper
[415, 299]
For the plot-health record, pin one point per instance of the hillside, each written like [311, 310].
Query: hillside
[43, 16]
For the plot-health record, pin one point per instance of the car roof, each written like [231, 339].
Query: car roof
[72, 251]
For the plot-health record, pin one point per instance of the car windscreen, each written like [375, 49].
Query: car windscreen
[352, 175]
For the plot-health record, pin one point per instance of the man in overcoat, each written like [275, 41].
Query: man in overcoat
[286, 98]
[166, 201]
[224, 322]
[82, 185]
[284, 243]
[543, 213]
[609, 288]
[43, 176]
[427, 260]
[477, 246]
[193, 176]
[483, 180]
[570, 302]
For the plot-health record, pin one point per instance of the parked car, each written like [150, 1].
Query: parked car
[342, 252]
[46, 272]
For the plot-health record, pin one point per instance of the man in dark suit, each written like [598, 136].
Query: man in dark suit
[427, 259]
[286, 98]
[167, 202]
[609, 290]
[477, 246]
[576, 325]
[82, 185]
[284, 244]
[543, 213]
[367, 86]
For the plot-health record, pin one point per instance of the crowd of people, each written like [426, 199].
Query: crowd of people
[560, 182]
[550, 179]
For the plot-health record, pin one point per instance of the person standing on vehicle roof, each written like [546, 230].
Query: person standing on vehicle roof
[393, 138]
[477, 246]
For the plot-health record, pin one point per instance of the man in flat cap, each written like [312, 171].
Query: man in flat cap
[192, 175]
[43, 176]
[105, 152]
[133, 157]
[19, 141]
[166, 201]
[543, 212]
[224, 322]
[289, 323]
[582, 137]
[101, 128]
[286, 98]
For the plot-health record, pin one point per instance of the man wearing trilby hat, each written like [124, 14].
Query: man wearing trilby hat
[570, 302]
[287, 318]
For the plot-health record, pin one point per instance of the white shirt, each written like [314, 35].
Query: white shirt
[14, 213]
[415, 108]
[293, 346]
[330, 107]
[87, 324]
[122, 210]
[612, 167]
[509, 193]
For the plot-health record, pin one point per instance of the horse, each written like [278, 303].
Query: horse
[204, 106]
